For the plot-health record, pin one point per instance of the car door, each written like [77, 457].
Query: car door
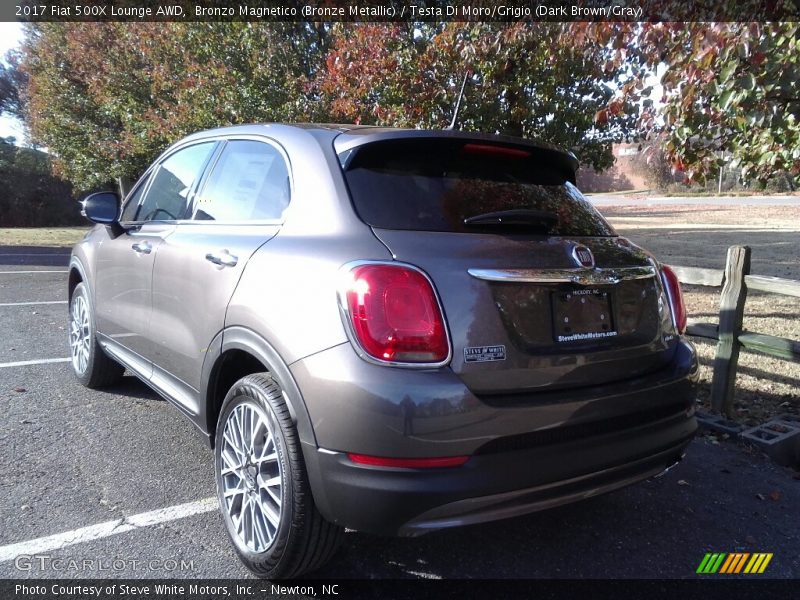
[123, 286]
[239, 208]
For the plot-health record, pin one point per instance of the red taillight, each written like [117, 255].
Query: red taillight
[395, 315]
[675, 297]
[495, 150]
[408, 463]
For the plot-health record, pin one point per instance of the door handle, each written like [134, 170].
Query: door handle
[142, 247]
[222, 258]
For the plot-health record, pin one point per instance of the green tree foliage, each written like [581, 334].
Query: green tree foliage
[29, 194]
[728, 87]
[106, 97]
[12, 79]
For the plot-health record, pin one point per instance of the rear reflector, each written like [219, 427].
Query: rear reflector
[394, 314]
[675, 297]
[495, 150]
[408, 463]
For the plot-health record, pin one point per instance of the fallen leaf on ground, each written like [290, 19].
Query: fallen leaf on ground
[19, 390]
[682, 482]
[775, 495]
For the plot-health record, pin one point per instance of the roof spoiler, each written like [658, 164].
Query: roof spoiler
[347, 144]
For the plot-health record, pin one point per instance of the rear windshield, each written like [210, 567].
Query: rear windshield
[437, 184]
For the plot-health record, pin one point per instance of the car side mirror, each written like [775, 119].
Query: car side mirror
[103, 208]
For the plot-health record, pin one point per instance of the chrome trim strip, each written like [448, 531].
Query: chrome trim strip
[581, 276]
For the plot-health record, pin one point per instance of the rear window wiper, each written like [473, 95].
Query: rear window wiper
[520, 217]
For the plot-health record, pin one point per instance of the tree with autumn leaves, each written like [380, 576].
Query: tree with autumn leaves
[521, 79]
[106, 97]
[731, 95]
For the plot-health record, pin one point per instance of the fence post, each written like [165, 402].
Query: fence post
[731, 312]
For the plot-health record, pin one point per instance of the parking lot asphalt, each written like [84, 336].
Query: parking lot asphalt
[72, 459]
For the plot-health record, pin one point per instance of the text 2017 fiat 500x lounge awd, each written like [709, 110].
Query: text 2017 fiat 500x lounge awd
[393, 331]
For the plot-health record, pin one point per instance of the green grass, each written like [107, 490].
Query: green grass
[41, 236]
[710, 193]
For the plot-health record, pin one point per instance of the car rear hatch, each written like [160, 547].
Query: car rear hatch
[537, 289]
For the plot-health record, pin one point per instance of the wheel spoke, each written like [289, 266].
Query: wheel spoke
[226, 435]
[253, 526]
[235, 491]
[242, 507]
[273, 517]
[255, 421]
[273, 482]
[268, 451]
[239, 433]
[244, 428]
[231, 464]
[275, 497]
[268, 458]
[261, 529]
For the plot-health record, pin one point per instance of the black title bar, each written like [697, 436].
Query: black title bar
[710, 588]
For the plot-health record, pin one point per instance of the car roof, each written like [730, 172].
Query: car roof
[348, 136]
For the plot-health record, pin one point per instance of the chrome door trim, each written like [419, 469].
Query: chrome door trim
[579, 276]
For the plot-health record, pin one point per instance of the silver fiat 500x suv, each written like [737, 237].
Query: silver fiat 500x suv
[393, 331]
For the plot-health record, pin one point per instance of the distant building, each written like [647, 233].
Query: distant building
[628, 172]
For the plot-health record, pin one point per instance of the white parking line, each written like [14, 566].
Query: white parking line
[109, 528]
[41, 361]
[18, 272]
[33, 303]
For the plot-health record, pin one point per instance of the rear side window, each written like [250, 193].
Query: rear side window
[438, 184]
[168, 196]
[249, 182]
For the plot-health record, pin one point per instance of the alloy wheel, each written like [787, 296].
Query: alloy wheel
[252, 475]
[79, 334]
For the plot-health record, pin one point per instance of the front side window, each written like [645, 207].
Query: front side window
[249, 182]
[131, 206]
[168, 196]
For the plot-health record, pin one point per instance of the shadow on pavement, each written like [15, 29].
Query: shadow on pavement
[132, 388]
[34, 256]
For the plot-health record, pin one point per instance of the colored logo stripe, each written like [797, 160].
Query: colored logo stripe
[711, 562]
[734, 563]
[723, 563]
[758, 563]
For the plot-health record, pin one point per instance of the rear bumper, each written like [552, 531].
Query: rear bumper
[551, 450]
[410, 502]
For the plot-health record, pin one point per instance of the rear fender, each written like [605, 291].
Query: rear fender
[241, 338]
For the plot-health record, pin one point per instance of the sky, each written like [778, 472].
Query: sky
[10, 37]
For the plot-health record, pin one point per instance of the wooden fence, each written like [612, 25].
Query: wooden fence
[736, 281]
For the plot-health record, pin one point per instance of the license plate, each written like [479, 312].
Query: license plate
[582, 314]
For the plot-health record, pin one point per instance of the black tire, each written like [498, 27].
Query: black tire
[302, 540]
[95, 369]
